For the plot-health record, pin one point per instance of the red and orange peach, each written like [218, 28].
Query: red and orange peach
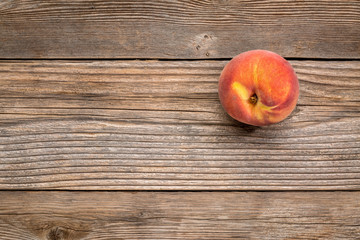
[259, 88]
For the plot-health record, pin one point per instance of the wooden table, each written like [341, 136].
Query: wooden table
[111, 127]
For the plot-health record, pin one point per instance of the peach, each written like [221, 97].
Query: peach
[259, 88]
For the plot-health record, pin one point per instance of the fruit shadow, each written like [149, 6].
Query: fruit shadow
[242, 127]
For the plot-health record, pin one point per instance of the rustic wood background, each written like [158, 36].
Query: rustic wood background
[122, 96]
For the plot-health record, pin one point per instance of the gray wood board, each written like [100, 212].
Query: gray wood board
[178, 29]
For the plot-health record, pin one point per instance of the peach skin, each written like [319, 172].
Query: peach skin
[259, 88]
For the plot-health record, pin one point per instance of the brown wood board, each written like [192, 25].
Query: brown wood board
[158, 125]
[179, 215]
[178, 29]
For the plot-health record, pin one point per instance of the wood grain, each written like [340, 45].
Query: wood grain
[179, 215]
[155, 125]
[178, 29]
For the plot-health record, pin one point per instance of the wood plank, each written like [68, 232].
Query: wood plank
[179, 215]
[158, 125]
[178, 29]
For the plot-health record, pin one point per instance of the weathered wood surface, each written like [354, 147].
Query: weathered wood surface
[154, 125]
[178, 29]
[179, 215]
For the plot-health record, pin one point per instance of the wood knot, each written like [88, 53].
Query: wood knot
[57, 233]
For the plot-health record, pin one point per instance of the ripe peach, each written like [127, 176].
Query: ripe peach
[258, 87]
